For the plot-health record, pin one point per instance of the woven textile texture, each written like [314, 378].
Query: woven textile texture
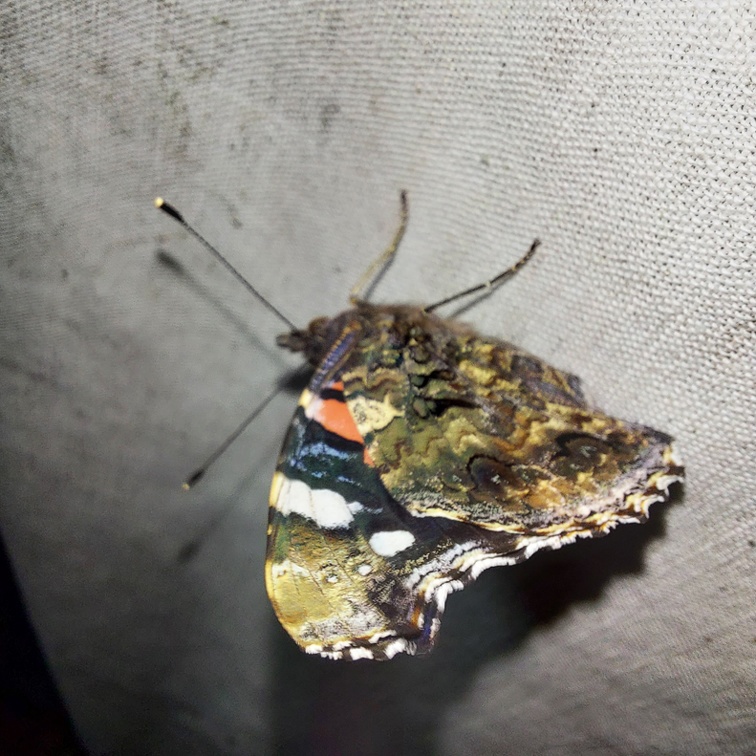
[621, 134]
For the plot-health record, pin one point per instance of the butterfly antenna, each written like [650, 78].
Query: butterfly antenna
[379, 264]
[170, 210]
[199, 473]
[488, 285]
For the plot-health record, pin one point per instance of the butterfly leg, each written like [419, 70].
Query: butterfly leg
[383, 260]
[503, 276]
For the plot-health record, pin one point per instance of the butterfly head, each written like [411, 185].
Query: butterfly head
[320, 336]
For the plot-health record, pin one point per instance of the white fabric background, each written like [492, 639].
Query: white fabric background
[622, 134]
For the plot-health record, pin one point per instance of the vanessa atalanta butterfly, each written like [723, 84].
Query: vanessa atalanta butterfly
[422, 453]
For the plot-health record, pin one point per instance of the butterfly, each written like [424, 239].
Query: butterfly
[421, 454]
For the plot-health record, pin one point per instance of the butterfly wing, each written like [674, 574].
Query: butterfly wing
[474, 430]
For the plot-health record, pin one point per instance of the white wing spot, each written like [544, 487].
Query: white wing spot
[327, 509]
[387, 543]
